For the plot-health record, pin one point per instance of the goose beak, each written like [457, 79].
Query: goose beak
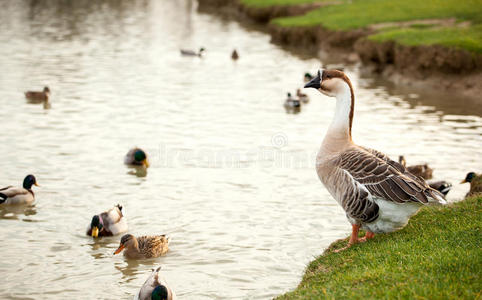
[314, 83]
[121, 247]
[95, 232]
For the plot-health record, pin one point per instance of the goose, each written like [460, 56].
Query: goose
[475, 181]
[378, 194]
[234, 55]
[291, 102]
[136, 157]
[108, 223]
[423, 171]
[303, 97]
[156, 288]
[308, 77]
[441, 185]
[17, 195]
[144, 246]
[192, 53]
[38, 96]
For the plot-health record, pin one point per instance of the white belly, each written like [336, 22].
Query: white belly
[392, 216]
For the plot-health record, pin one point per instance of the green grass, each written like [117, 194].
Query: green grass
[361, 13]
[438, 255]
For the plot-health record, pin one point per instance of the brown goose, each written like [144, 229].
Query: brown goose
[38, 96]
[378, 194]
[144, 246]
[423, 171]
[156, 287]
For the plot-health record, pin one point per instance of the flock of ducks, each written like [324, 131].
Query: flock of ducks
[200, 52]
[378, 194]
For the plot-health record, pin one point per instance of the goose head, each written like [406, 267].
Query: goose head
[331, 83]
[29, 181]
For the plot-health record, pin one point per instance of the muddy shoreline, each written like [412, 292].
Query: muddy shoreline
[437, 67]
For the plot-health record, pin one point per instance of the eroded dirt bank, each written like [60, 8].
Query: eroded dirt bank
[428, 66]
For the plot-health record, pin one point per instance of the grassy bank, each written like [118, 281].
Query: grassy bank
[437, 256]
[464, 33]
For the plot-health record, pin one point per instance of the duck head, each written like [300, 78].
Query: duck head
[29, 181]
[127, 241]
[141, 157]
[469, 177]
[47, 90]
[96, 226]
[331, 83]
[159, 293]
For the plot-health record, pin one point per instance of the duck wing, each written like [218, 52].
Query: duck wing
[114, 220]
[153, 246]
[11, 191]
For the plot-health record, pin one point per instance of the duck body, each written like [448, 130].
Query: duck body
[16, 195]
[108, 223]
[303, 97]
[144, 246]
[136, 157]
[291, 102]
[186, 52]
[475, 181]
[156, 286]
[377, 193]
[422, 170]
[38, 96]
[442, 186]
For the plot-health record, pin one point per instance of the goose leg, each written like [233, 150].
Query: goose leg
[353, 239]
[368, 235]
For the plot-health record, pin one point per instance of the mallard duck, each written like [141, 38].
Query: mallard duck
[108, 223]
[378, 194]
[442, 186]
[16, 195]
[308, 77]
[136, 157]
[192, 53]
[234, 55]
[38, 96]
[475, 181]
[423, 171]
[144, 246]
[303, 97]
[156, 288]
[291, 102]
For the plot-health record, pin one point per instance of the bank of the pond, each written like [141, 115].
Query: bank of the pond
[435, 45]
[438, 255]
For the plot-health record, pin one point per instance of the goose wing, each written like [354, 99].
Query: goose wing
[385, 178]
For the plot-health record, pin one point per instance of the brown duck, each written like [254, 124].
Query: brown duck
[144, 246]
[38, 96]
[423, 171]
[475, 181]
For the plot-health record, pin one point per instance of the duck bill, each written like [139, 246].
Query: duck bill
[121, 247]
[463, 181]
[95, 232]
[314, 83]
[36, 184]
[145, 162]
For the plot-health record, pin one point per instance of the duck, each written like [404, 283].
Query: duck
[308, 77]
[441, 185]
[475, 181]
[291, 102]
[108, 223]
[303, 97]
[422, 170]
[186, 52]
[38, 96]
[17, 195]
[378, 194]
[136, 157]
[156, 288]
[234, 55]
[144, 246]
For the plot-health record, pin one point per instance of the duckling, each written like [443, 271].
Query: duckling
[441, 186]
[291, 102]
[475, 181]
[16, 195]
[308, 77]
[108, 223]
[235, 55]
[156, 287]
[136, 157]
[144, 246]
[192, 53]
[423, 171]
[38, 96]
[303, 97]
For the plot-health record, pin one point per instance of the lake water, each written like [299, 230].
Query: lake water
[232, 177]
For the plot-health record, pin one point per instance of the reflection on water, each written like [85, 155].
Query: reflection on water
[231, 177]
